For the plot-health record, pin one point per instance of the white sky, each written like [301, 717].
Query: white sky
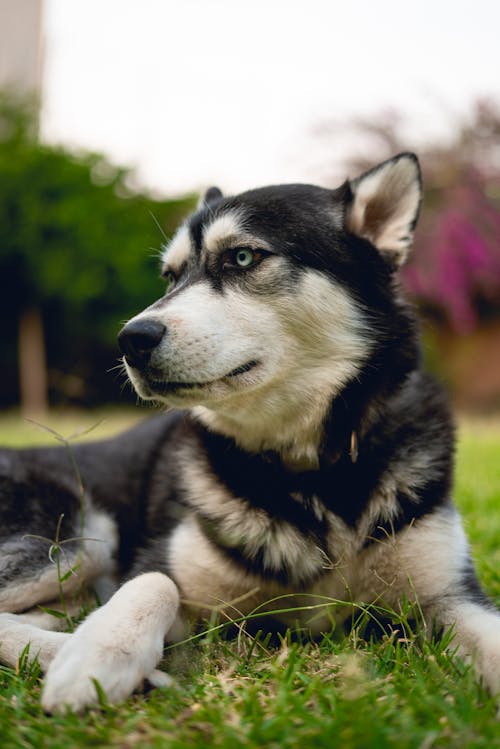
[199, 92]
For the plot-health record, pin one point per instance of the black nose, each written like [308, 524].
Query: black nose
[138, 339]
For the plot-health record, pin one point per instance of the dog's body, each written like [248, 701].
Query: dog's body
[311, 460]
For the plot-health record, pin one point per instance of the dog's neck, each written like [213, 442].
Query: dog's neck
[303, 438]
[296, 437]
[316, 427]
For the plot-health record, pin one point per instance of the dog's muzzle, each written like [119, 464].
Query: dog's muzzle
[138, 339]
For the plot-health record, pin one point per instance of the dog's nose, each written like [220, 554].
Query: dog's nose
[138, 339]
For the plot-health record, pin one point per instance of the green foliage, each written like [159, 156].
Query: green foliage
[75, 240]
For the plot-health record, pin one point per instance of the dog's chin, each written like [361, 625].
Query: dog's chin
[152, 386]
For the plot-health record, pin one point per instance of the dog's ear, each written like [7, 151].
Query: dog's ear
[212, 195]
[384, 205]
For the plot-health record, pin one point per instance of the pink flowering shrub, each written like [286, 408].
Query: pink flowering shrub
[455, 269]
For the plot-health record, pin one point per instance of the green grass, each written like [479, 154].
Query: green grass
[342, 692]
[18, 432]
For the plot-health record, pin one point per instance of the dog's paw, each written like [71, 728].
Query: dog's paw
[115, 649]
[84, 666]
[487, 665]
[99, 656]
[478, 639]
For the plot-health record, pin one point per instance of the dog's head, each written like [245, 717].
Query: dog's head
[276, 298]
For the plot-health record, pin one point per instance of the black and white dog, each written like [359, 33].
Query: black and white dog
[310, 457]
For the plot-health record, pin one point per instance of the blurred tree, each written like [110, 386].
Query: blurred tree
[73, 259]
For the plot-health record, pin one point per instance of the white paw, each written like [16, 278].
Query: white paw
[487, 665]
[118, 646]
[72, 675]
[478, 638]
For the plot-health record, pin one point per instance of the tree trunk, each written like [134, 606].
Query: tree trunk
[32, 364]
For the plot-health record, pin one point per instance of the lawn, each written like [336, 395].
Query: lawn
[341, 692]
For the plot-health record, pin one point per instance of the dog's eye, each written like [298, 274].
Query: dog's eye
[243, 257]
[169, 278]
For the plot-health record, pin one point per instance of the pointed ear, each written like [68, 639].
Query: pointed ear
[212, 195]
[385, 205]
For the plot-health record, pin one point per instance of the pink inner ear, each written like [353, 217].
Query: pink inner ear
[385, 206]
[378, 211]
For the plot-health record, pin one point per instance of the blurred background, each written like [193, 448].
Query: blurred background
[114, 114]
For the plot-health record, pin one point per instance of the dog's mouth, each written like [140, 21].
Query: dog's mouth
[161, 386]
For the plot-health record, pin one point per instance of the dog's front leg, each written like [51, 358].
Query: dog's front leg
[476, 626]
[430, 560]
[16, 632]
[118, 645]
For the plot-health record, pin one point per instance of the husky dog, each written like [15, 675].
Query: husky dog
[309, 455]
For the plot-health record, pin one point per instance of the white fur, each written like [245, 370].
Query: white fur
[201, 346]
[405, 474]
[253, 530]
[100, 539]
[420, 562]
[247, 528]
[433, 555]
[206, 577]
[225, 230]
[477, 635]
[178, 249]
[118, 645]
[307, 347]
[298, 377]
[16, 633]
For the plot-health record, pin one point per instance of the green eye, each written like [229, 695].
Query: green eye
[244, 258]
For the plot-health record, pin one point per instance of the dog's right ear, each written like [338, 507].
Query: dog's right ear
[212, 195]
[384, 204]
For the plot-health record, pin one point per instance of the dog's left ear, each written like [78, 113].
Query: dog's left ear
[211, 196]
[385, 204]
